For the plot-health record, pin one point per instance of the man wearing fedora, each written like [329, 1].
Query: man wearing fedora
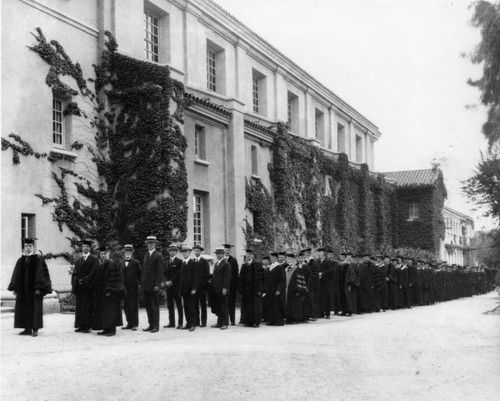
[131, 272]
[172, 278]
[200, 299]
[30, 282]
[152, 276]
[82, 283]
[188, 287]
[221, 282]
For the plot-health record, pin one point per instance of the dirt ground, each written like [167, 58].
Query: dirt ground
[448, 351]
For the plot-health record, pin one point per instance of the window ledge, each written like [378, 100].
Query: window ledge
[256, 177]
[202, 162]
[64, 152]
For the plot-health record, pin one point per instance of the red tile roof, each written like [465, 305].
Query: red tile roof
[414, 177]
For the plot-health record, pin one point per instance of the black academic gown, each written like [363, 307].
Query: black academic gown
[82, 283]
[276, 282]
[295, 291]
[251, 285]
[108, 293]
[30, 274]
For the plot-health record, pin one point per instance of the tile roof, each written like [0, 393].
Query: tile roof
[207, 104]
[414, 177]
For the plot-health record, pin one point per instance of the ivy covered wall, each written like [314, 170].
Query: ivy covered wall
[320, 199]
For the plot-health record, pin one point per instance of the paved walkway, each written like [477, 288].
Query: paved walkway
[448, 351]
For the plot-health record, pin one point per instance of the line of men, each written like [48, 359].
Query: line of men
[285, 288]
[100, 285]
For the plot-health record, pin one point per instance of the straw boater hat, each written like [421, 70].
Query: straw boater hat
[151, 238]
[128, 247]
[219, 250]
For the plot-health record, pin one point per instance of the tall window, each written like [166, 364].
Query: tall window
[293, 111]
[319, 125]
[197, 219]
[255, 160]
[27, 227]
[57, 122]
[413, 213]
[211, 70]
[255, 92]
[341, 138]
[151, 37]
[199, 142]
[359, 149]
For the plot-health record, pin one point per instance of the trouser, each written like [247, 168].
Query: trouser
[131, 307]
[152, 308]
[189, 310]
[231, 301]
[223, 310]
[173, 298]
[200, 302]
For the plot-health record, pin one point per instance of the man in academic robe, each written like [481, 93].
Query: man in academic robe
[251, 286]
[200, 299]
[365, 282]
[221, 286]
[108, 292]
[153, 271]
[188, 286]
[402, 270]
[310, 270]
[233, 291]
[377, 283]
[392, 283]
[82, 283]
[30, 282]
[172, 279]
[326, 284]
[131, 272]
[341, 284]
[274, 294]
[266, 263]
[352, 284]
[295, 290]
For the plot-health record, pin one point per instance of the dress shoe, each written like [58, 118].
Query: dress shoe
[216, 326]
[154, 330]
[127, 327]
[327, 317]
[35, 333]
[110, 333]
[86, 331]
[148, 329]
[179, 327]
[134, 328]
[102, 333]
[78, 330]
[26, 332]
[223, 328]
[185, 327]
[169, 326]
[191, 328]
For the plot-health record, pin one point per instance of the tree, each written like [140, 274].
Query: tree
[483, 188]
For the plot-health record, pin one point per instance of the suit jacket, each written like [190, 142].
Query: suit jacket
[85, 270]
[173, 273]
[234, 273]
[131, 275]
[222, 276]
[153, 271]
[203, 271]
[188, 277]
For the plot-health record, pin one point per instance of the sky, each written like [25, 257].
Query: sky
[404, 65]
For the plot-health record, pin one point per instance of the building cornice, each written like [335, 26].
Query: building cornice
[257, 42]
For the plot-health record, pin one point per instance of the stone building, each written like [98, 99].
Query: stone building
[241, 86]
[458, 236]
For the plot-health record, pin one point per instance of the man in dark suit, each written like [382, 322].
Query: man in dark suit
[152, 276]
[200, 299]
[188, 287]
[131, 272]
[233, 290]
[82, 282]
[221, 284]
[172, 279]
